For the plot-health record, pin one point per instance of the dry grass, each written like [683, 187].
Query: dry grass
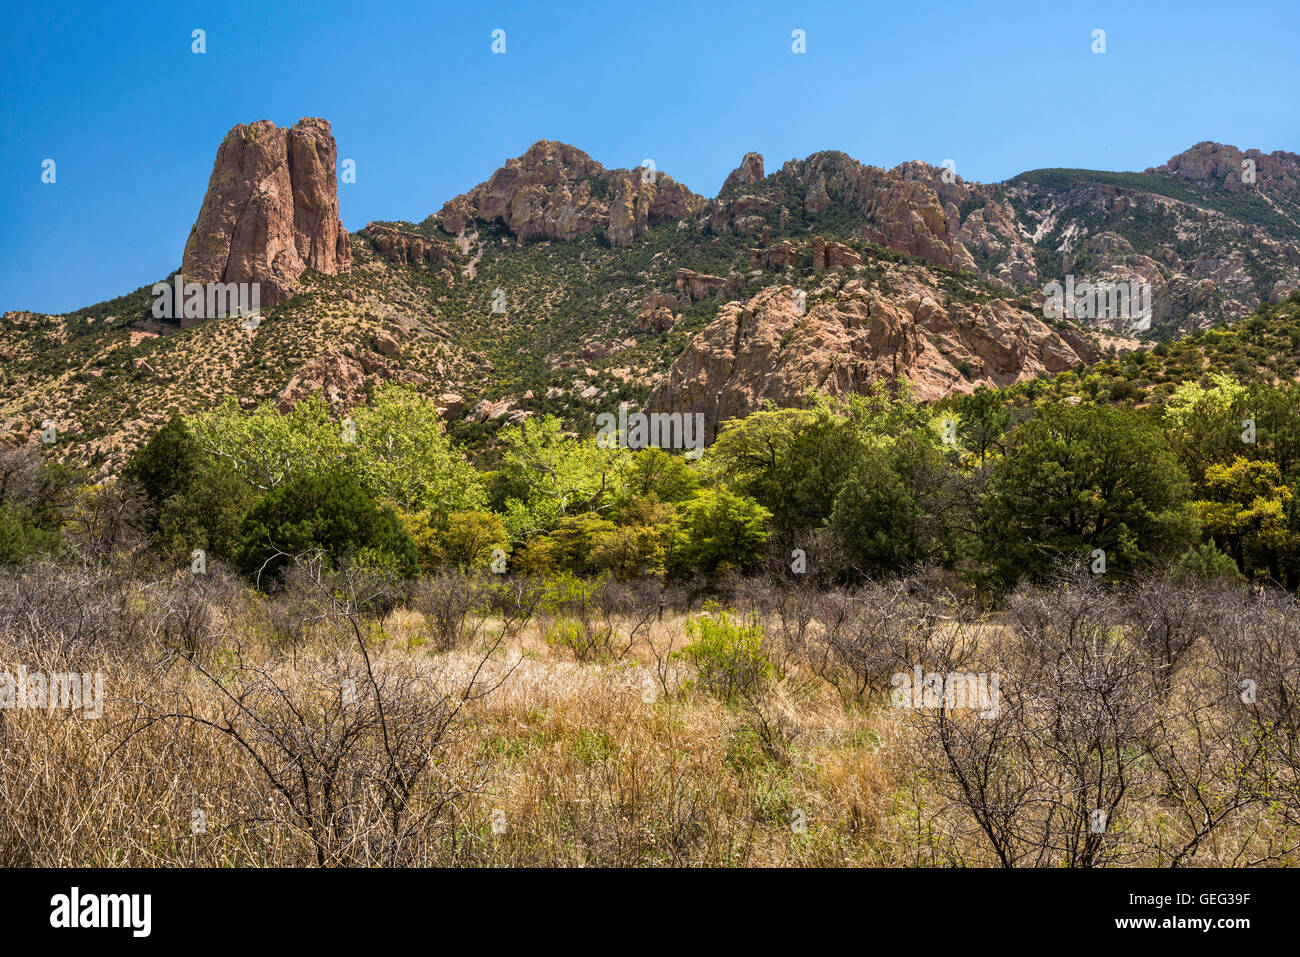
[514, 754]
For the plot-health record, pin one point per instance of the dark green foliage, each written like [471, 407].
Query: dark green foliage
[1076, 479]
[36, 499]
[895, 511]
[329, 512]
[196, 501]
[1206, 562]
[24, 536]
[667, 477]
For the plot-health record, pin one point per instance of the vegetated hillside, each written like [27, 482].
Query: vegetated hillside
[107, 385]
[1262, 348]
[560, 286]
[1216, 230]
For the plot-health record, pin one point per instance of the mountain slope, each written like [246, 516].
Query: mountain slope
[558, 285]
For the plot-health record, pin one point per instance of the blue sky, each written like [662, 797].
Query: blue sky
[133, 118]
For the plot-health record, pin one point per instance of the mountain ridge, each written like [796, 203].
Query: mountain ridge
[558, 285]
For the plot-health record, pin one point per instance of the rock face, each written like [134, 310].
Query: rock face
[833, 255]
[340, 381]
[765, 349]
[1224, 166]
[407, 248]
[658, 319]
[486, 410]
[271, 210]
[556, 191]
[902, 215]
[899, 213]
[451, 404]
[782, 255]
[1005, 233]
[693, 286]
[748, 172]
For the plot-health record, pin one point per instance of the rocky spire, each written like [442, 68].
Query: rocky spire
[271, 210]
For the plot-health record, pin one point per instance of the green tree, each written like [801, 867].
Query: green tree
[755, 455]
[266, 447]
[1079, 478]
[669, 478]
[792, 461]
[716, 530]
[983, 419]
[547, 475]
[36, 498]
[1205, 423]
[402, 454]
[396, 448]
[329, 512]
[195, 499]
[1247, 511]
[468, 539]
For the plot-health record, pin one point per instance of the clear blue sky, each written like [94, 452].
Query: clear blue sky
[112, 92]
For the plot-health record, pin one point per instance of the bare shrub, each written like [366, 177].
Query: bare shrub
[870, 633]
[1166, 613]
[1256, 656]
[1052, 776]
[515, 602]
[454, 606]
[66, 610]
[347, 747]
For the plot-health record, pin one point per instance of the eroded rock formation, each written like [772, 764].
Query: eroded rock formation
[271, 210]
[767, 348]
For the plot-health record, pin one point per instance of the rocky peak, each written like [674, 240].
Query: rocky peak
[903, 215]
[271, 210]
[1222, 165]
[556, 191]
[748, 172]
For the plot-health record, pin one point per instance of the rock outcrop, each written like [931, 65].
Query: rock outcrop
[271, 210]
[657, 319]
[486, 409]
[1226, 166]
[833, 255]
[767, 348]
[693, 286]
[407, 248]
[556, 191]
[899, 213]
[781, 255]
[749, 171]
[338, 379]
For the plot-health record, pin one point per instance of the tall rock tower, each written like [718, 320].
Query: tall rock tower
[271, 210]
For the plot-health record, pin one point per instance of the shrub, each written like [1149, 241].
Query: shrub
[453, 606]
[327, 512]
[22, 538]
[1207, 562]
[469, 538]
[715, 531]
[196, 501]
[577, 623]
[727, 654]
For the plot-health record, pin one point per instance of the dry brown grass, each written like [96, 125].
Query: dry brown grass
[517, 755]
